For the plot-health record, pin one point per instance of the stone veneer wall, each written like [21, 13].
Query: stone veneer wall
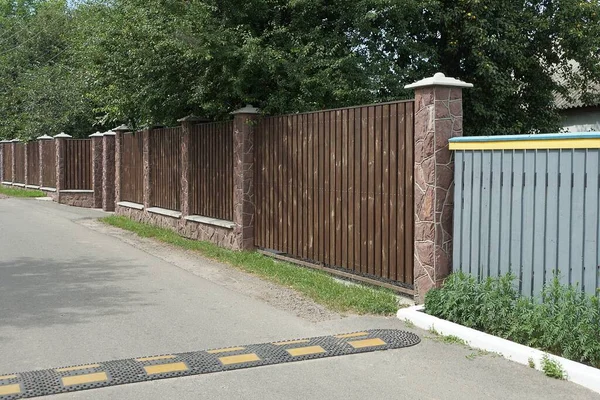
[220, 236]
[85, 200]
[53, 195]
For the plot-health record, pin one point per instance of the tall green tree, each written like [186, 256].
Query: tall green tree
[147, 62]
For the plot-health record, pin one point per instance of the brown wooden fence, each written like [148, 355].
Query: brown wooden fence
[211, 170]
[33, 163]
[165, 146]
[19, 163]
[78, 164]
[7, 162]
[335, 187]
[132, 168]
[48, 163]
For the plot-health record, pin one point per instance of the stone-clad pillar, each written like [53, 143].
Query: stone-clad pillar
[108, 171]
[120, 131]
[26, 162]
[59, 141]
[41, 140]
[13, 166]
[438, 117]
[146, 164]
[186, 130]
[244, 123]
[97, 164]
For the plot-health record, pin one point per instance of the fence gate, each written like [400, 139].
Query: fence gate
[336, 188]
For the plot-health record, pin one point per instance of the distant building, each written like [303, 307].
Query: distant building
[579, 116]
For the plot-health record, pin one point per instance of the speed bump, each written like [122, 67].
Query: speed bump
[111, 373]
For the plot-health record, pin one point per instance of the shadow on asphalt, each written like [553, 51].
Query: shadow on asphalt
[46, 292]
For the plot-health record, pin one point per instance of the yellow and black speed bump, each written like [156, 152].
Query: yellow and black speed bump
[111, 373]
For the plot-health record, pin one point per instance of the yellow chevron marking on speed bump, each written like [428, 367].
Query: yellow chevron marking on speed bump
[242, 358]
[291, 342]
[304, 351]
[359, 344]
[81, 379]
[10, 389]
[80, 367]
[155, 358]
[165, 368]
[351, 335]
[2, 377]
[230, 349]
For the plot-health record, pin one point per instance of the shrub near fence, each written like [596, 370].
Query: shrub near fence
[165, 169]
[132, 168]
[49, 163]
[211, 170]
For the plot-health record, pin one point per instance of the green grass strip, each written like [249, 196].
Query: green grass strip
[316, 285]
[18, 192]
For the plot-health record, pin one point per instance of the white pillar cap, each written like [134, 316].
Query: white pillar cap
[62, 135]
[249, 109]
[439, 79]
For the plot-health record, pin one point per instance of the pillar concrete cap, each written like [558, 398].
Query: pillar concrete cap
[45, 137]
[193, 118]
[121, 128]
[249, 109]
[5, 141]
[439, 79]
[97, 134]
[15, 140]
[62, 135]
[109, 133]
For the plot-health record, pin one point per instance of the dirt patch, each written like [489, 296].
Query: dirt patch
[3, 196]
[222, 274]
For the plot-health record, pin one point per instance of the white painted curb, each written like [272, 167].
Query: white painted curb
[581, 374]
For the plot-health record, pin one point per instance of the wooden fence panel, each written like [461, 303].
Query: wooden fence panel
[7, 162]
[78, 164]
[336, 187]
[33, 163]
[165, 169]
[49, 164]
[132, 168]
[211, 170]
[19, 163]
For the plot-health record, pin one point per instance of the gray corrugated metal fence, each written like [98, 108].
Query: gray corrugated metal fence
[530, 212]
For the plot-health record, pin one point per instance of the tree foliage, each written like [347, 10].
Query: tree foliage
[82, 66]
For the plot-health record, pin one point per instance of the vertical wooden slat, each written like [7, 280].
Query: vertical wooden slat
[371, 185]
[385, 200]
[321, 184]
[344, 190]
[304, 180]
[338, 189]
[357, 188]
[310, 185]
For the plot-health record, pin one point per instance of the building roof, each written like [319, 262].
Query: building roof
[576, 96]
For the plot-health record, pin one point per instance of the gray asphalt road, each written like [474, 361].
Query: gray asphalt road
[73, 292]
